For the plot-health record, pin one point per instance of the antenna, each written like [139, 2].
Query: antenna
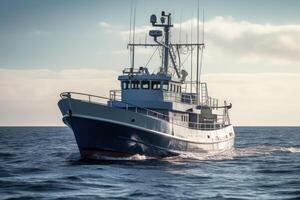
[197, 78]
[202, 48]
[165, 23]
[191, 86]
[133, 36]
[180, 26]
[130, 27]
[203, 26]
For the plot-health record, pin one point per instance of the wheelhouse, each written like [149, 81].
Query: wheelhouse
[142, 84]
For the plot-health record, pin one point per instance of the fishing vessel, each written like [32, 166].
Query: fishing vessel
[153, 114]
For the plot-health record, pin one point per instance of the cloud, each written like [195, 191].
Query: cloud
[259, 98]
[240, 45]
[105, 25]
[255, 42]
[29, 97]
[140, 33]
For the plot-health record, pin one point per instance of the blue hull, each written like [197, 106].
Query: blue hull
[95, 137]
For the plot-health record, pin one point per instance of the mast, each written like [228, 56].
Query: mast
[202, 48]
[156, 33]
[197, 73]
[191, 78]
[133, 35]
[129, 39]
[166, 47]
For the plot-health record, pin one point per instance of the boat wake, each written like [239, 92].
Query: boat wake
[183, 156]
[135, 157]
[240, 152]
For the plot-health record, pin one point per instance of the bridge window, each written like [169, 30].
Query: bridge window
[165, 86]
[155, 85]
[145, 85]
[125, 85]
[135, 84]
[174, 88]
[178, 89]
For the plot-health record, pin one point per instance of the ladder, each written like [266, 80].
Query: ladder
[204, 94]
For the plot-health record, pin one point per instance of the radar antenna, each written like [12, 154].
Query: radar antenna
[168, 49]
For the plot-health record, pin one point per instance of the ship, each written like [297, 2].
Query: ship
[152, 114]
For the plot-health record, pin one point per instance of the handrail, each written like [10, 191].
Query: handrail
[155, 114]
[185, 98]
[115, 94]
[65, 94]
[180, 98]
[68, 95]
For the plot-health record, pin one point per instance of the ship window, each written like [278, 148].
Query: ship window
[174, 88]
[145, 85]
[135, 84]
[155, 85]
[125, 85]
[165, 86]
[177, 88]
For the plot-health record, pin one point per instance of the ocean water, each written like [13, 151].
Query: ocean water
[44, 163]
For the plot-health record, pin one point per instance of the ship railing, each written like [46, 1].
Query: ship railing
[115, 95]
[130, 107]
[179, 97]
[206, 126]
[109, 102]
[84, 97]
[186, 98]
[189, 98]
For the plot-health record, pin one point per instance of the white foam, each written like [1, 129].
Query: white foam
[293, 149]
[139, 157]
[133, 158]
[239, 152]
[224, 155]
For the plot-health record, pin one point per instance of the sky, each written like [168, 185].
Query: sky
[251, 56]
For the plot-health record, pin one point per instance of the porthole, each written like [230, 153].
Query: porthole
[132, 120]
[208, 136]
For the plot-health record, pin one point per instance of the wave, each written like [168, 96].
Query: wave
[265, 150]
[240, 152]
